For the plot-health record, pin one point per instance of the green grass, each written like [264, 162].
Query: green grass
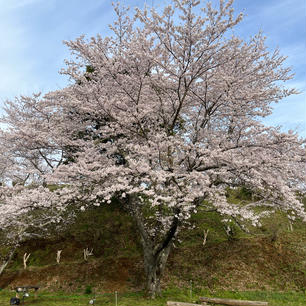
[137, 299]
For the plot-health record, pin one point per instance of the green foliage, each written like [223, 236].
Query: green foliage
[88, 289]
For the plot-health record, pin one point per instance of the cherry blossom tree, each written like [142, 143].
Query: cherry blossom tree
[167, 118]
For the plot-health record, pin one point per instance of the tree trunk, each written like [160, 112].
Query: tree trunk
[155, 253]
[233, 302]
[3, 266]
[154, 265]
[7, 259]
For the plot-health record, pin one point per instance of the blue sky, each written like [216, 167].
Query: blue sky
[32, 52]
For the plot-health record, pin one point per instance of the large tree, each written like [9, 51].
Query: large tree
[167, 118]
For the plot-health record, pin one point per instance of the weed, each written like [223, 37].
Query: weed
[88, 289]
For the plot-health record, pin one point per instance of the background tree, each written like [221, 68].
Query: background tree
[169, 117]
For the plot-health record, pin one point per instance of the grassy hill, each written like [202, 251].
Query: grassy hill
[271, 258]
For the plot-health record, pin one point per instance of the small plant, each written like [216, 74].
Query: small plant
[88, 289]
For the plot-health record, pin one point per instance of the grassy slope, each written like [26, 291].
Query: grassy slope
[273, 259]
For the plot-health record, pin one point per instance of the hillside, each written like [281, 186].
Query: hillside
[273, 258]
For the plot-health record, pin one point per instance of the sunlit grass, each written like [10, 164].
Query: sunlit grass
[138, 299]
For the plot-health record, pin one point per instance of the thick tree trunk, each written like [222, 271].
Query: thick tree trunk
[155, 253]
[154, 265]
